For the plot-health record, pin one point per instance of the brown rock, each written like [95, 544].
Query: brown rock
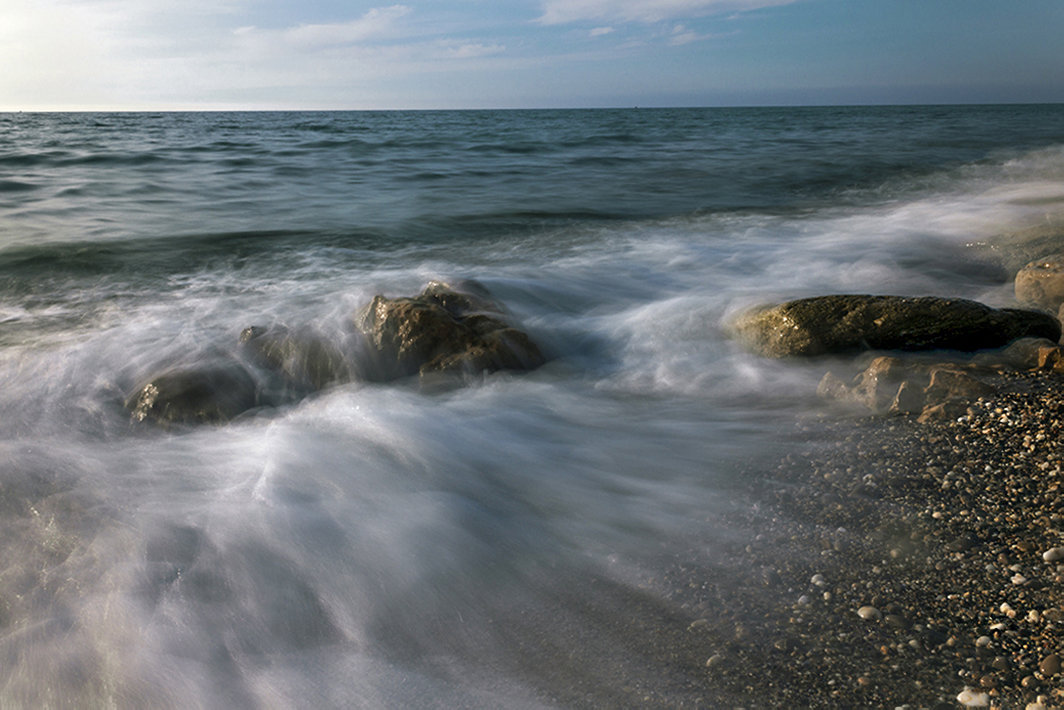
[909, 399]
[443, 331]
[308, 360]
[943, 411]
[1041, 283]
[195, 394]
[947, 383]
[1027, 354]
[846, 323]
[1050, 665]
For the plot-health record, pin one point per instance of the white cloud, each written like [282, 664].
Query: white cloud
[557, 12]
[599, 31]
[469, 51]
[378, 23]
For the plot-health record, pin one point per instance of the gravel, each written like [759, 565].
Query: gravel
[891, 563]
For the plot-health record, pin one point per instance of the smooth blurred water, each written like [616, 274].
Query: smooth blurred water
[381, 546]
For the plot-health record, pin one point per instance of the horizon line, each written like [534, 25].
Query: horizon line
[533, 108]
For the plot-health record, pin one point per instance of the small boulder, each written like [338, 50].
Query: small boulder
[306, 360]
[839, 324]
[943, 411]
[443, 330]
[1041, 283]
[211, 393]
[891, 385]
[1029, 354]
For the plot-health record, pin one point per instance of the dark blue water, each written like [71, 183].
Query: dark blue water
[380, 546]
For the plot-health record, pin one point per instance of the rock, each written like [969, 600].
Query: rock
[1027, 354]
[891, 385]
[910, 398]
[869, 613]
[443, 331]
[943, 411]
[210, 393]
[948, 383]
[1050, 665]
[307, 360]
[838, 324]
[1041, 283]
[1053, 554]
[971, 698]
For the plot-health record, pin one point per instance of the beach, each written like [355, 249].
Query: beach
[904, 564]
[443, 409]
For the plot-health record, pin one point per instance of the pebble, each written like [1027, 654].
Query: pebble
[715, 660]
[1050, 665]
[1053, 554]
[818, 580]
[869, 613]
[970, 698]
[982, 641]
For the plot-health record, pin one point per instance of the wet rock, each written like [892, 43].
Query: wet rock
[1041, 283]
[910, 398]
[1050, 665]
[443, 331]
[306, 359]
[207, 393]
[946, 383]
[943, 411]
[869, 613]
[1027, 354]
[846, 323]
[891, 385]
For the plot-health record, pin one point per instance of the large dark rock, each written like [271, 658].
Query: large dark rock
[840, 324]
[446, 330]
[195, 394]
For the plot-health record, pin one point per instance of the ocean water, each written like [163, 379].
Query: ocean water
[503, 544]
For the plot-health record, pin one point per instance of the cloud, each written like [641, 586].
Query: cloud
[558, 12]
[681, 35]
[376, 24]
[469, 51]
[599, 31]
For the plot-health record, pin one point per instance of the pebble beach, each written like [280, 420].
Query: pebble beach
[902, 564]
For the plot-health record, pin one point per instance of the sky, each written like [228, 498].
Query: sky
[420, 54]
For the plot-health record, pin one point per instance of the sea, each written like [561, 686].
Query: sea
[514, 542]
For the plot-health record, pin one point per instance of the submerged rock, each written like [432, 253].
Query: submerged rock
[307, 360]
[839, 324]
[443, 330]
[194, 395]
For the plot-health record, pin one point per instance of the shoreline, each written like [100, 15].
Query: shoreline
[893, 563]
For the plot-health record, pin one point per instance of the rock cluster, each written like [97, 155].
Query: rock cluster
[891, 385]
[826, 325]
[445, 331]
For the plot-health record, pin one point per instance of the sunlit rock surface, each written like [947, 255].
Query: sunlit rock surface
[845, 323]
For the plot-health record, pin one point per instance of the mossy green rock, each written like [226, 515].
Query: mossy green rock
[838, 324]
